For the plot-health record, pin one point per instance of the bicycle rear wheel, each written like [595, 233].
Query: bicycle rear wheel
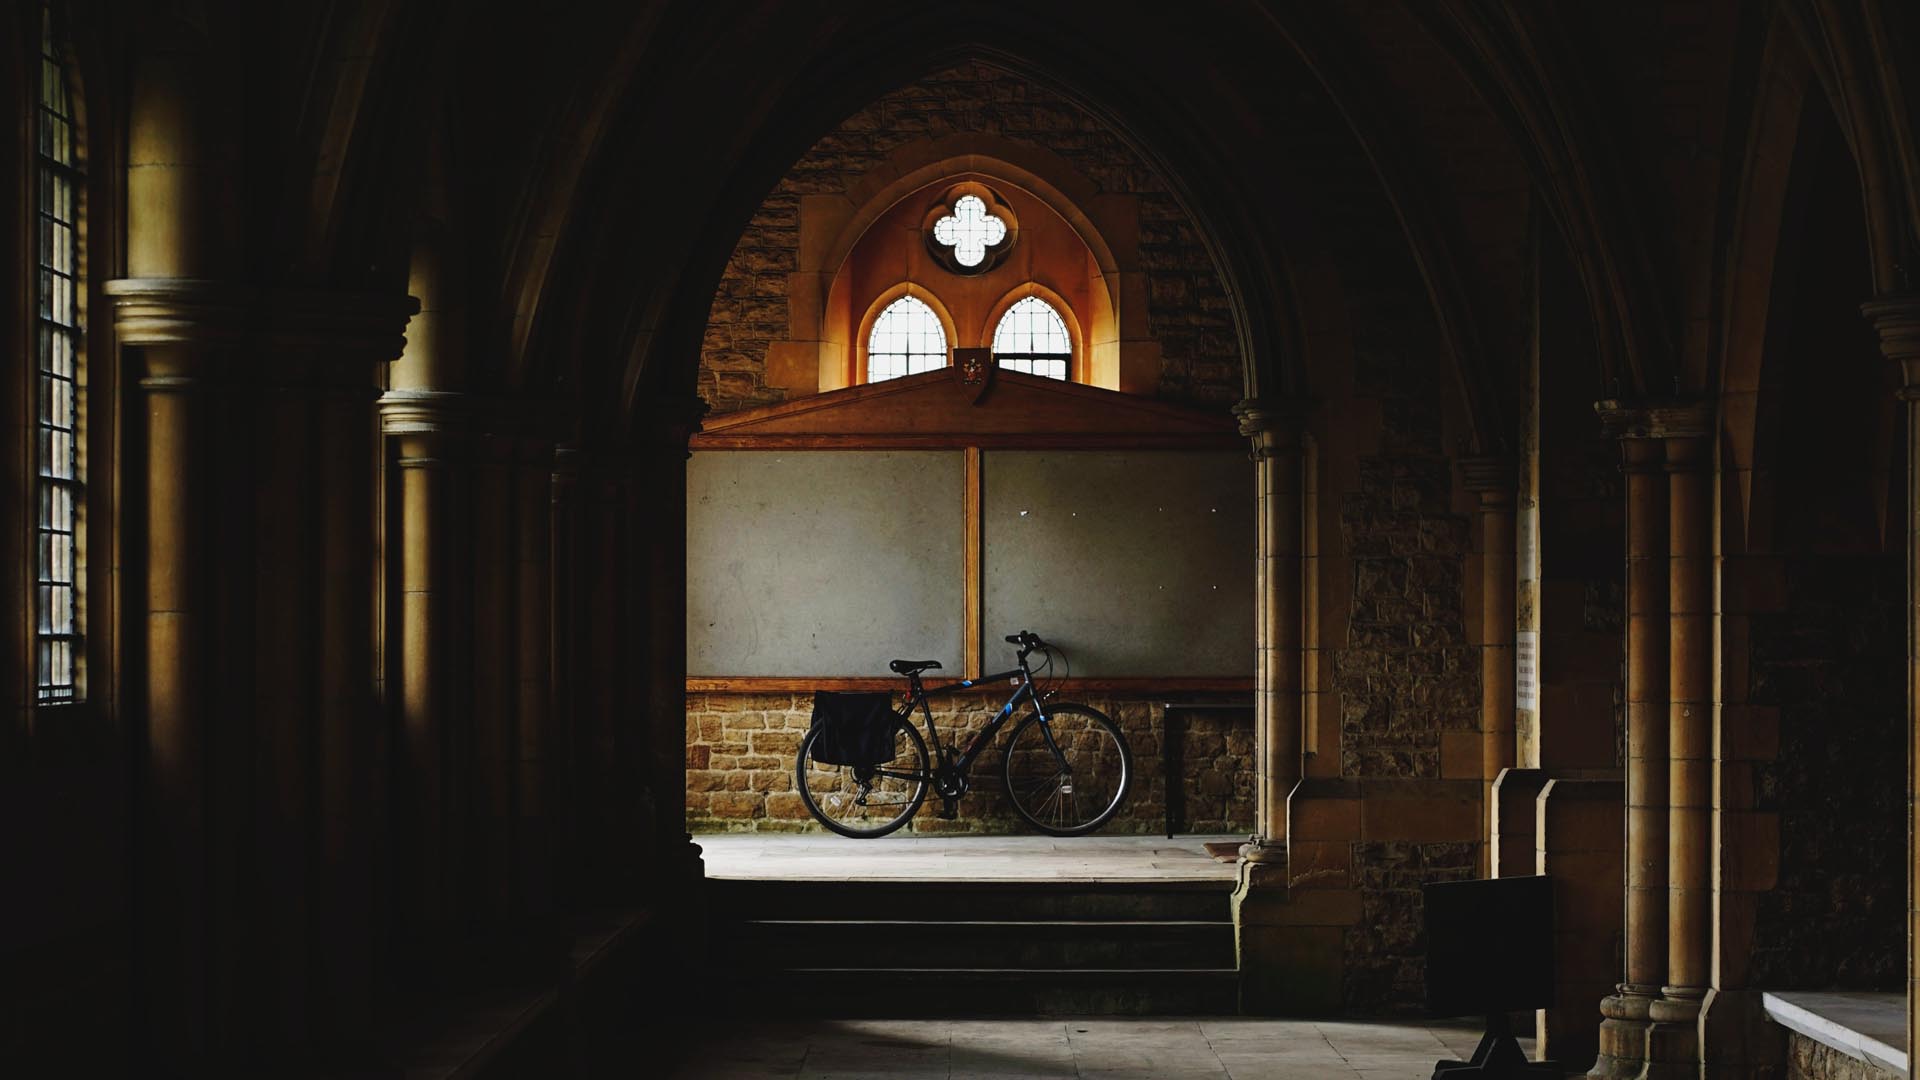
[864, 803]
[1075, 790]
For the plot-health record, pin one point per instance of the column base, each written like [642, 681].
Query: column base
[1739, 1040]
[1623, 1035]
[1291, 943]
[1673, 1039]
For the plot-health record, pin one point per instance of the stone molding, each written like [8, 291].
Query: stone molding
[363, 326]
[1670, 419]
[1490, 476]
[667, 423]
[1274, 424]
[1896, 316]
[423, 412]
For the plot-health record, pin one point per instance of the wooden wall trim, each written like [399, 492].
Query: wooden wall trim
[1147, 685]
[963, 441]
[974, 617]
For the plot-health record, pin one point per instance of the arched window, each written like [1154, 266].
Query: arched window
[1032, 337]
[907, 339]
[57, 458]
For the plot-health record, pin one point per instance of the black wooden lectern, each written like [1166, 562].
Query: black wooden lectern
[1490, 953]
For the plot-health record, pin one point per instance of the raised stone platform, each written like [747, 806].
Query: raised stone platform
[1868, 1027]
[971, 925]
[1096, 859]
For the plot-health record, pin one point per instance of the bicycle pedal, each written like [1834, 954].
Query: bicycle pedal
[949, 810]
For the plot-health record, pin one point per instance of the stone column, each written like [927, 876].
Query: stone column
[1623, 1028]
[1673, 1042]
[1493, 479]
[1897, 318]
[260, 775]
[536, 758]
[1274, 427]
[659, 537]
[564, 668]
[428, 436]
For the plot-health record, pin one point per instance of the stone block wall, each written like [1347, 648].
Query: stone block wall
[740, 758]
[1810, 1060]
[1187, 307]
[1386, 951]
[1406, 673]
[1831, 663]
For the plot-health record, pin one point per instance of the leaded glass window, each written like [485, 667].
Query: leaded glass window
[57, 342]
[907, 339]
[1032, 337]
[970, 230]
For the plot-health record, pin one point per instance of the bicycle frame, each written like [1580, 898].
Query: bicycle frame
[919, 693]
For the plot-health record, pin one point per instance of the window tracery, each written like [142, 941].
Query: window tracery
[906, 339]
[1033, 338]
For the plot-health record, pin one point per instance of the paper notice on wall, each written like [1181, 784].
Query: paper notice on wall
[1526, 670]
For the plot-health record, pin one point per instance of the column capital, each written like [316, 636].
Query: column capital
[1667, 419]
[666, 424]
[369, 326]
[422, 412]
[1490, 476]
[1258, 415]
[1896, 316]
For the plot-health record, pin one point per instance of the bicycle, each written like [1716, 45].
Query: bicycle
[1067, 766]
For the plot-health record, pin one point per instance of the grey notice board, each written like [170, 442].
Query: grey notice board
[1139, 563]
[823, 562]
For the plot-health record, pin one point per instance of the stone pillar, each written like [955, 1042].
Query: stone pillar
[1673, 1042]
[1274, 428]
[535, 754]
[1284, 965]
[1493, 480]
[260, 776]
[659, 536]
[428, 436]
[1897, 318]
[1623, 1028]
[564, 668]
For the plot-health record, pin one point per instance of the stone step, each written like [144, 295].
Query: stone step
[976, 948]
[955, 992]
[1110, 944]
[939, 901]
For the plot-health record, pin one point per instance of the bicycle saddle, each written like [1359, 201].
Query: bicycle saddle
[913, 667]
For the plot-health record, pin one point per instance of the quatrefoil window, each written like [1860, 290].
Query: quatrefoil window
[970, 230]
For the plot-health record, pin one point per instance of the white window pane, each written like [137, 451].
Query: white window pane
[906, 339]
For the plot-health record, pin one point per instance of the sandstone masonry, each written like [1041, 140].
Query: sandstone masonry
[741, 747]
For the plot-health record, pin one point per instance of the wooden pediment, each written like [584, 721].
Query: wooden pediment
[936, 409]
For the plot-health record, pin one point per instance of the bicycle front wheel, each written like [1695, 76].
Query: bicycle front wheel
[1069, 773]
[864, 803]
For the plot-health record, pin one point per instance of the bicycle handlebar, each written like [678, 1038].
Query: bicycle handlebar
[1026, 639]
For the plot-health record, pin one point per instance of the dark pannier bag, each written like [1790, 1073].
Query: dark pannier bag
[856, 728]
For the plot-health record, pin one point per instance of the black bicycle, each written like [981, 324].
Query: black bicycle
[1067, 767]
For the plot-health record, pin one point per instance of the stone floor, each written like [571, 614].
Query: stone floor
[1143, 1048]
[825, 857]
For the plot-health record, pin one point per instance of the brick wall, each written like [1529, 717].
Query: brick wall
[740, 757]
[1187, 308]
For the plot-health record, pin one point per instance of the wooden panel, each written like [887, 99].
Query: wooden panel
[933, 410]
[1133, 686]
[970, 522]
[805, 564]
[1137, 563]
